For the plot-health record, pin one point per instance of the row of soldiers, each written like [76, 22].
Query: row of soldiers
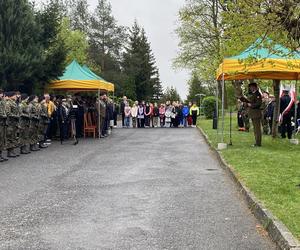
[23, 122]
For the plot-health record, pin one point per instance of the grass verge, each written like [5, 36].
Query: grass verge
[271, 172]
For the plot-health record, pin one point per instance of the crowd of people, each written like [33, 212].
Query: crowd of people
[165, 115]
[29, 123]
[263, 106]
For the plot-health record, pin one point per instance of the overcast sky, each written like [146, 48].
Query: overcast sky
[159, 18]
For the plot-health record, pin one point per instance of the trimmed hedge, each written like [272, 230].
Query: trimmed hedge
[208, 105]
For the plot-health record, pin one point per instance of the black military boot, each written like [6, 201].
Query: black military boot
[27, 149]
[17, 151]
[11, 153]
[42, 145]
[1, 158]
[33, 147]
[24, 150]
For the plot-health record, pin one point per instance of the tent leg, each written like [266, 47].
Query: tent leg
[296, 107]
[223, 99]
[99, 118]
[217, 109]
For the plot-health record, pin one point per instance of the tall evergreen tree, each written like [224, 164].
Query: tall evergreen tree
[139, 65]
[158, 90]
[171, 94]
[79, 16]
[106, 37]
[20, 49]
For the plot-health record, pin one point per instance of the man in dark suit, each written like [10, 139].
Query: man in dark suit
[122, 107]
[286, 111]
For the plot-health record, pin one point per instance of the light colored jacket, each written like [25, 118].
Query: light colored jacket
[134, 111]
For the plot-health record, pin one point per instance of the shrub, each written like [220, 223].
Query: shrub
[208, 105]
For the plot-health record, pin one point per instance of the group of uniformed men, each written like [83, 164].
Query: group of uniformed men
[23, 122]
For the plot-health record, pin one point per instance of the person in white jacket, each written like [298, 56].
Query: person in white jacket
[134, 111]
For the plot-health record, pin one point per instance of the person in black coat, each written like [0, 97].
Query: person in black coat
[122, 107]
[62, 121]
[286, 113]
[270, 111]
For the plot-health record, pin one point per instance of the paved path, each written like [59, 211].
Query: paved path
[139, 189]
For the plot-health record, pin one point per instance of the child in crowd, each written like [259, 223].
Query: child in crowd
[134, 112]
[162, 112]
[127, 112]
[185, 114]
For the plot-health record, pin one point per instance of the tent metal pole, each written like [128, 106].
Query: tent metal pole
[223, 98]
[296, 107]
[99, 118]
[217, 109]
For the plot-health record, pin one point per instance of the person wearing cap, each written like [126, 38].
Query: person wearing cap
[287, 112]
[254, 102]
[24, 124]
[2, 125]
[13, 116]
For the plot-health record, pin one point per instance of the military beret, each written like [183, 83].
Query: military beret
[254, 84]
[24, 96]
[10, 93]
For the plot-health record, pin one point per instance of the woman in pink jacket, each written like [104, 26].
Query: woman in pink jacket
[162, 111]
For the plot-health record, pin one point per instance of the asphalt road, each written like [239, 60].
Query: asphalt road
[139, 189]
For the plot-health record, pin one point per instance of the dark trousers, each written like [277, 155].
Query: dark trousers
[286, 127]
[194, 117]
[257, 130]
[147, 121]
[115, 118]
[63, 131]
[141, 123]
[123, 119]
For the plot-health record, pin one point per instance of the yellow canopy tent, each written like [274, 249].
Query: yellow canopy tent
[257, 62]
[77, 78]
[273, 62]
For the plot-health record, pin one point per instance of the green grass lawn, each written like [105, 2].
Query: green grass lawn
[272, 172]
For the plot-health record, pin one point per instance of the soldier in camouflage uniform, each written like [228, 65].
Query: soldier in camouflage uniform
[264, 108]
[2, 125]
[24, 125]
[13, 116]
[34, 122]
[244, 113]
[43, 121]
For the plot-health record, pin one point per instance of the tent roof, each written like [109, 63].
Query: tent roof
[277, 62]
[75, 72]
[77, 78]
[256, 50]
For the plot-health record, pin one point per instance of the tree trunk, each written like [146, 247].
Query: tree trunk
[276, 88]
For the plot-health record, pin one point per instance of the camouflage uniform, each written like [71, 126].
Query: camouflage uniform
[43, 122]
[34, 125]
[246, 120]
[13, 116]
[24, 127]
[2, 127]
[264, 119]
